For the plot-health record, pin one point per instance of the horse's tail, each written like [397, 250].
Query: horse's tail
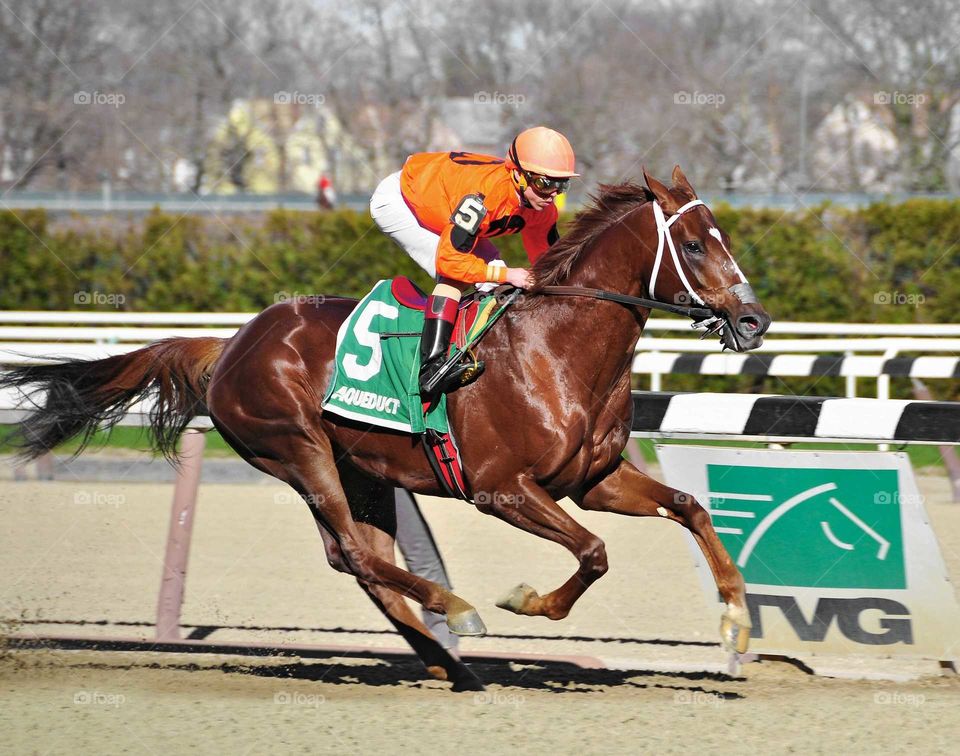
[76, 397]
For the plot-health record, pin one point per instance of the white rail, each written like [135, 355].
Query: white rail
[774, 345]
[72, 317]
[814, 328]
[28, 337]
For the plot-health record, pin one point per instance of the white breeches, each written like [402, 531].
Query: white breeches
[395, 218]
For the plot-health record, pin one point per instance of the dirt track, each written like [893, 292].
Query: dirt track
[91, 552]
[94, 703]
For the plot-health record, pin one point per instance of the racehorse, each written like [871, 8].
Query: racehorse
[549, 419]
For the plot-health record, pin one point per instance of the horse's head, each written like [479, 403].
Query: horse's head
[694, 265]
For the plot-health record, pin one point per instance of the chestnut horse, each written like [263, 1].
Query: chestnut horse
[549, 419]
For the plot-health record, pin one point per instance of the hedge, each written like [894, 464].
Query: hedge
[893, 263]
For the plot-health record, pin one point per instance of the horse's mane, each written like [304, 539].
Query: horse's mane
[609, 206]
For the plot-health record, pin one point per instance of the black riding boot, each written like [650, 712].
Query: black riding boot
[434, 346]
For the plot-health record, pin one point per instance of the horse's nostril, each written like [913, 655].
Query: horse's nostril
[748, 325]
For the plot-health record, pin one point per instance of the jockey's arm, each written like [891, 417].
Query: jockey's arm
[455, 261]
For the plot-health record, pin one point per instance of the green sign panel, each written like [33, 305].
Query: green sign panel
[810, 527]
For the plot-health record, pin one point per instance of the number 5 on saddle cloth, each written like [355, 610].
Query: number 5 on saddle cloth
[376, 373]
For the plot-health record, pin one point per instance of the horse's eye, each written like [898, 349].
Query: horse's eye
[693, 247]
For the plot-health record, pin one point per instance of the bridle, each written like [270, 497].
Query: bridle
[742, 291]
[664, 235]
[703, 316]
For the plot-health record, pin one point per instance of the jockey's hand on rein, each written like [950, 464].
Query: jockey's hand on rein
[519, 277]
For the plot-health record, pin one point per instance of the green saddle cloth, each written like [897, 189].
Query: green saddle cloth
[376, 377]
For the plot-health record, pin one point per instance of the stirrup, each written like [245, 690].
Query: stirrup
[472, 372]
[443, 381]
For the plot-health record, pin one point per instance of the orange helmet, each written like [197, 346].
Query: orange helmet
[543, 151]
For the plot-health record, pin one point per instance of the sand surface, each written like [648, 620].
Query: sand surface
[121, 703]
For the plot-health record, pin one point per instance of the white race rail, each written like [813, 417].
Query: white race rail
[814, 328]
[849, 339]
[27, 337]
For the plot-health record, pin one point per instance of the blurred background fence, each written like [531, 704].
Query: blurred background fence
[139, 203]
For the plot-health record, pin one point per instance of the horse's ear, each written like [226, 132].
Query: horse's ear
[667, 201]
[680, 182]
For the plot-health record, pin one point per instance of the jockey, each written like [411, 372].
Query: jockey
[444, 207]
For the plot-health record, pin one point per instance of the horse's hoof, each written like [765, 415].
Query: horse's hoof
[468, 683]
[517, 599]
[466, 623]
[735, 631]
[437, 672]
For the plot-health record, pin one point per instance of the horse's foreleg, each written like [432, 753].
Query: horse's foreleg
[527, 506]
[628, 491]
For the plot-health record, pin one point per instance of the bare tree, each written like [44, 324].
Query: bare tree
[736, 90]
[906, 54]
[51, 68]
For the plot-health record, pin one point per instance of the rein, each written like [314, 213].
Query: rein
[694, 313]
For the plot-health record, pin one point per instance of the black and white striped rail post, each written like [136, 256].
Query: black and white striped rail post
[771, 418]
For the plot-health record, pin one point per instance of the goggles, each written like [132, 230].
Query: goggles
[545, 186]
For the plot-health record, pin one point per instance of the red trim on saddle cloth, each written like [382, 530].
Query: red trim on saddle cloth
[444, 449]
[466, 315]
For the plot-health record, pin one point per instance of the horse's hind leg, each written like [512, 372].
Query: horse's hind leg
[439, 662]
[628, 491]
[372, 505]
[314, 474]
